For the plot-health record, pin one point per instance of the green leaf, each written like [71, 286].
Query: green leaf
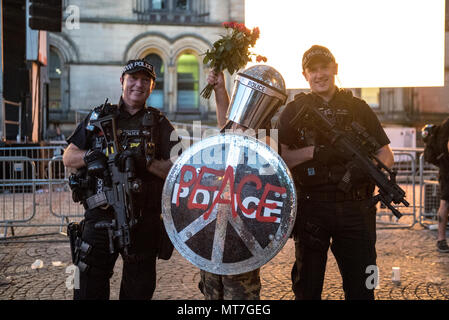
[235, 59]
[229, 46]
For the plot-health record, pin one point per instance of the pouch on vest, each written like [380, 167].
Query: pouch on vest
[311, 173]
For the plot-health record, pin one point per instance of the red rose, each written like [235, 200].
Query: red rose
[236, 44]
[256, 32]
[229, 24]
[260, 58]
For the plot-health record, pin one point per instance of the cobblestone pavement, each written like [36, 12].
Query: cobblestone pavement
[423, 271]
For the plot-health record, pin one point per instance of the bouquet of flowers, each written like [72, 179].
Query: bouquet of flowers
[232, 51]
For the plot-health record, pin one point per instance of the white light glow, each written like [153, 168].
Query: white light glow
[377, 43]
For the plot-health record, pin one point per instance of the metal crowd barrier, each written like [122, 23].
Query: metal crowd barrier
[35, 198]
[429, 194]
[422, 189]
[17, 189]
[405, 166]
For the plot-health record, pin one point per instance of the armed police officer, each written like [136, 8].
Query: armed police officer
[325, 211]
[141, 137]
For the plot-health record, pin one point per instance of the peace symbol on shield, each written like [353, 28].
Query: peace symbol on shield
[229, 204]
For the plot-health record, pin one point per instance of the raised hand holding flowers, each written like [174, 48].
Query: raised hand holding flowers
[232, 51]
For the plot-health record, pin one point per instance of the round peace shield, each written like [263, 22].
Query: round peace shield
[229, 204]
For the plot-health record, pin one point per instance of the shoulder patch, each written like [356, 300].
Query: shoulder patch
[93, 115]
[100, 111]
[303, 97]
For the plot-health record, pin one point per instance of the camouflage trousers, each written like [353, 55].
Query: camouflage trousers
[245, 286]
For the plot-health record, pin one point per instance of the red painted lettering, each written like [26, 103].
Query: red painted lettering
[247, 179]
[183, 183]
[228, 178]
[225, 194]
[198, 185]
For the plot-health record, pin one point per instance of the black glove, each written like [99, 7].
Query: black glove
[96, 163]
[138, 160]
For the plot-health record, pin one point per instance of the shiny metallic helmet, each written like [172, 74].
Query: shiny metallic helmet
[258, 93]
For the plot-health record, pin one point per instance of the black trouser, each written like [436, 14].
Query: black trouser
[352, 227]
[139, 268]
[443, 182]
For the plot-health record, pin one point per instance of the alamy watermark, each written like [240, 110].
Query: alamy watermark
[72, 22]
[372, 281]
[213, 154]
[73, 280]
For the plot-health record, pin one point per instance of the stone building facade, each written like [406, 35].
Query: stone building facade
[86, 58]
[86, 61]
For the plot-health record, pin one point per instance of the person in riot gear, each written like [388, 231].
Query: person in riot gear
[92, 249]
[326, 212]
[244, 286]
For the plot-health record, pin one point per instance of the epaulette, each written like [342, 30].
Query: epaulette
[345, 94]
[157, 112]
[302, 98]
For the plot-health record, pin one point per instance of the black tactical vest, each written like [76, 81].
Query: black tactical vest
[314, 174]
[128, 135]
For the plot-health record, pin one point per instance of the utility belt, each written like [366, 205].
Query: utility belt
[313, 173]
[357, 193]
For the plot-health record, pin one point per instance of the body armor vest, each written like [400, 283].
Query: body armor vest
[313, 173]
[129, 135]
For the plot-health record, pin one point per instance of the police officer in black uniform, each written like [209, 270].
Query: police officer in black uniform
[86, 149]
[324, 211]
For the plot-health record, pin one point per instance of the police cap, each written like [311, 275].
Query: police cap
[139, 65]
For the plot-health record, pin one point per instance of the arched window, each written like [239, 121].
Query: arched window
[158, 4]
[54, 91]
[188, 84]
[156, 99]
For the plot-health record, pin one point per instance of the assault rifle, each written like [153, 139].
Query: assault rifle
[358, 148]
[120, 187]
